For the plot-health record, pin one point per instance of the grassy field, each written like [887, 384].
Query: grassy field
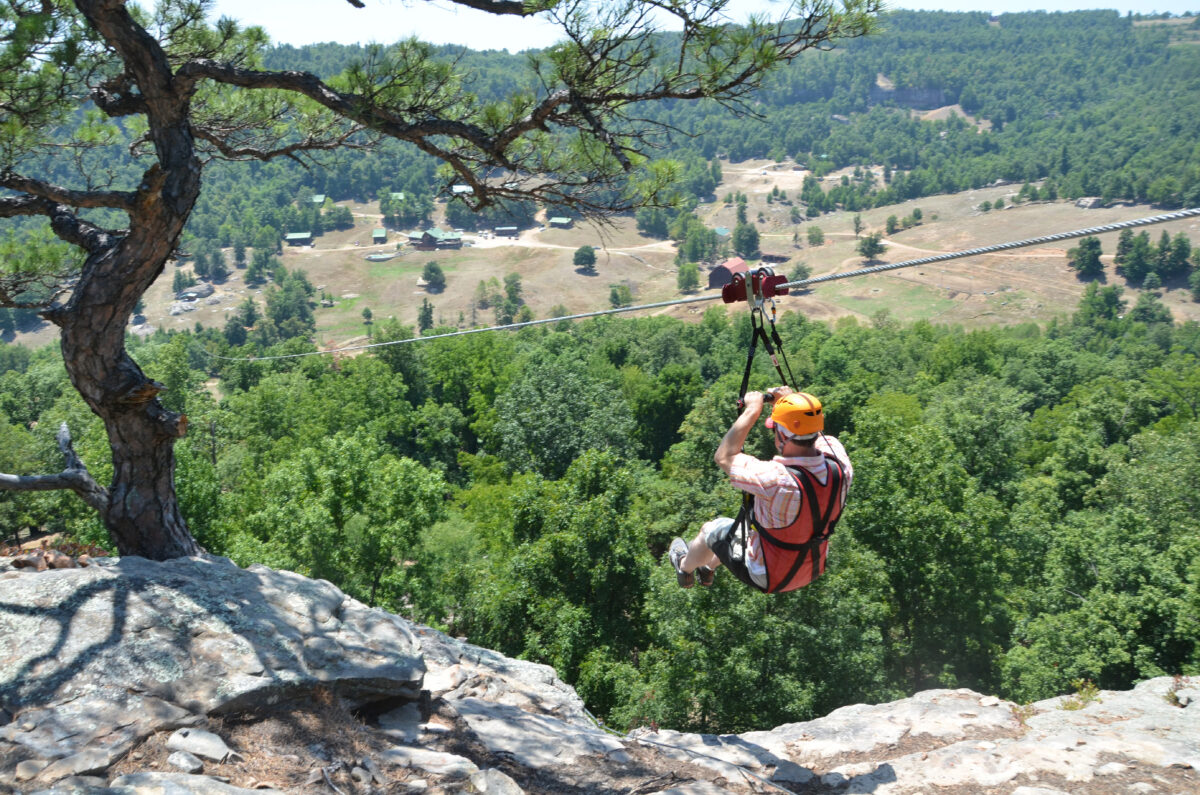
[1020, 286]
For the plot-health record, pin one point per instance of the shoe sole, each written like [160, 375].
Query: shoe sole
[685, 578]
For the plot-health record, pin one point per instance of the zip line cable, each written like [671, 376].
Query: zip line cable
[1033, 241]
[829, 277]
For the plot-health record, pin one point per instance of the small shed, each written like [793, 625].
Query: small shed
[561, 222]
[723, 273]
[459, 190]
[298, 238]
[379, 236]
[506, 231]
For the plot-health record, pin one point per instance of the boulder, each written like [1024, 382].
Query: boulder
[94, 659]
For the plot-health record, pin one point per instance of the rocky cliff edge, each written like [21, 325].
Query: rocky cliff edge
[196, 676]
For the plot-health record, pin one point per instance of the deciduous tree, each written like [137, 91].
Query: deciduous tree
[688, 278]
[871, 246]
[585, 258]
[434, 277]
[745, 240]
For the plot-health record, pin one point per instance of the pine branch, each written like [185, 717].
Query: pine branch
[63, 221]
[75, 477]
[115, 199]
[220, 142]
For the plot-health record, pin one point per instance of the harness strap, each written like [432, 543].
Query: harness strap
[743, 520]
[790, 380]
[757, 330]
[811, 549]
[746, 514]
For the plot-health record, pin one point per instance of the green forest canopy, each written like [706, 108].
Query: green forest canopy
[1024, 514]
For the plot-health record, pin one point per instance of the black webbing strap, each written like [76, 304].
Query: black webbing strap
[756, 331]
[771, 344]
[790, 380]
[738, 567]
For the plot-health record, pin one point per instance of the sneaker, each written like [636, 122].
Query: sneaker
[677, 553]
[705, 575]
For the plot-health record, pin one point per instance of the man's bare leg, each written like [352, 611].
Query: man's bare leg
[699, 555]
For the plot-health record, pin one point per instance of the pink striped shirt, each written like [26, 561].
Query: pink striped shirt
[778, 495]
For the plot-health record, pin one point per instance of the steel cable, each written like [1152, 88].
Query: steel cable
[972, 252]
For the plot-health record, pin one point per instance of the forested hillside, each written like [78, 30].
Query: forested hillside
[1024, 514]
[1049, 105]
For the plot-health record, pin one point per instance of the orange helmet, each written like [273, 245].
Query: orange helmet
[799, 414]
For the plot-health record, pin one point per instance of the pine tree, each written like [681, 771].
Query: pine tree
[218, 271]
[425, 316]
[1124, 245]
[1085, 258]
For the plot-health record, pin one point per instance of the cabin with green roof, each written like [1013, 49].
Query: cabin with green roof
[435, 238]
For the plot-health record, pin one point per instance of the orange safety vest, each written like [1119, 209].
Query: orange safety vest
[795, 555]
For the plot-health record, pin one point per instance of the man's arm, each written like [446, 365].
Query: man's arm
[735, 437]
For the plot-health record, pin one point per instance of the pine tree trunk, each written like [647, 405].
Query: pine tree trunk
[143, 515]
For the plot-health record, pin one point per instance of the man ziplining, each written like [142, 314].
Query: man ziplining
[779, 540]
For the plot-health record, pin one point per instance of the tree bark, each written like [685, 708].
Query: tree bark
[143, 514]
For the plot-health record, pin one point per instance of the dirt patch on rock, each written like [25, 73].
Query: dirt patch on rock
[316, 746]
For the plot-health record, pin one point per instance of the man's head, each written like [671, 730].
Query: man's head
[797, 418]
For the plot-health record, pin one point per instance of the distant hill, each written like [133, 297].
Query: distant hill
[1120, 125]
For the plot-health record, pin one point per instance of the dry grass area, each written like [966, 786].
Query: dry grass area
[1026, 285]
[1182, 30]
[943, 113]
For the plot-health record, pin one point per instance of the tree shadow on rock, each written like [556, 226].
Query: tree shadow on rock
[97, 658]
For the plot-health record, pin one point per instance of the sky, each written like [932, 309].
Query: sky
[301, 22]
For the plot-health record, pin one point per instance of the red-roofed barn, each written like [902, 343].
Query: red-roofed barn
[723, 273]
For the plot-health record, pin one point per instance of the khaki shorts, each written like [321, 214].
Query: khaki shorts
[718, 536]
